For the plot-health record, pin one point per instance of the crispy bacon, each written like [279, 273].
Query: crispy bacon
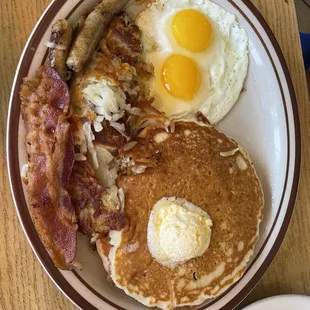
[94, 215]
[49, 140]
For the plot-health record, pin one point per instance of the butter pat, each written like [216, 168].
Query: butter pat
[177, 231]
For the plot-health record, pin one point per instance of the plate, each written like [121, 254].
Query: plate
[282, 302]
[264, 121]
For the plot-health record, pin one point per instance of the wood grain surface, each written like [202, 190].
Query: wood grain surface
[23, 283]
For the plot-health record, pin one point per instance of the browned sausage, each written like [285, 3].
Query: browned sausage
[91, 32]
[61, 38]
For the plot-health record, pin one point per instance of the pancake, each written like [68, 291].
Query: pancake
[210, 170]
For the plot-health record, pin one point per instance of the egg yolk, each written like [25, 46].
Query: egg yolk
[192, 30]
[180, 76]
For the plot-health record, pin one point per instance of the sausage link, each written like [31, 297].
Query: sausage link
[61, 38]
[91, 32]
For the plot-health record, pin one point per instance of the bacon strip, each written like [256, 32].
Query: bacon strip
[49, 140]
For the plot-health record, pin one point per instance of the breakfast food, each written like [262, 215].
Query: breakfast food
[177, 231]
[121, 148]
[222, 200]
[98, 208]
[49, 140]
[61, 38]
[91, 32]
[199, 54]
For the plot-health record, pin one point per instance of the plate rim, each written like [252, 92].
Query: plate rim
[16, 186]
[282, 296]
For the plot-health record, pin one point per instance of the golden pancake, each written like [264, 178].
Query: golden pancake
[210, 170]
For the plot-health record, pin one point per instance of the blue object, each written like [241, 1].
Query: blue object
[305, 45]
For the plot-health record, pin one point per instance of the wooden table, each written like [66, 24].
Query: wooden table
[23, 283]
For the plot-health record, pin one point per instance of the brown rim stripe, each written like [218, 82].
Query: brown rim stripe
[81, 279]
[74, 9]
[21, 203]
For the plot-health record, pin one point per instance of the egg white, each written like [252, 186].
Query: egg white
[223, 66]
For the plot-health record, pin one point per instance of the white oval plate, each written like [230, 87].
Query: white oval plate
[283, 302]
[264, 121]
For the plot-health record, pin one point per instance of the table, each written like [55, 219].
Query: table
[23, 283]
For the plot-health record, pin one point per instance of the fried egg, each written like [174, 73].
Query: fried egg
[199, 54]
